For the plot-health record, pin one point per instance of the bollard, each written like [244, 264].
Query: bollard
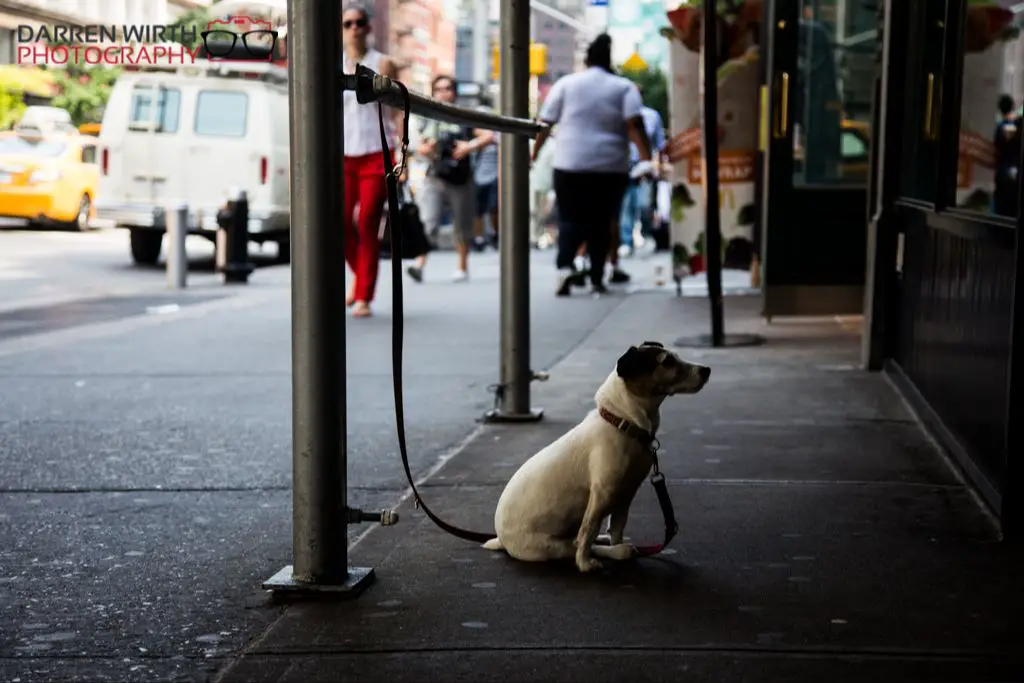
[233, 240]
[177, 259]
[513, 399]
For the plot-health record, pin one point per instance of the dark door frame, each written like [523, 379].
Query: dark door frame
[800, 222]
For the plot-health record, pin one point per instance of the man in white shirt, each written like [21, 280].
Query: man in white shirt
[598, 113]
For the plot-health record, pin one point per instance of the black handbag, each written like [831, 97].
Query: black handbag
[414, 235]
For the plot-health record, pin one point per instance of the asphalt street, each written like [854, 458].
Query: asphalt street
[145, 441]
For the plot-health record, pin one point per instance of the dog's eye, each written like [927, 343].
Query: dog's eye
[669, 361]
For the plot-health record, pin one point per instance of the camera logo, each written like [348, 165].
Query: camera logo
[239, 38]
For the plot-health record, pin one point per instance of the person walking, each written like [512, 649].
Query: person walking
[363, 163]
[1007, 142]
[597, 113]
[638, 201]
[485, 176]
[449, 148]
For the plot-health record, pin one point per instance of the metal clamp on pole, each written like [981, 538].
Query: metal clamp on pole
[319, 410]
[177, 259]
[513, 401]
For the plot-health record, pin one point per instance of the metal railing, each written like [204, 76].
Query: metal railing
[320, 512]
[370, 86]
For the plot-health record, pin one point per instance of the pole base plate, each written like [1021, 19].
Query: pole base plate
[497, 416]
[730, 341]
[284, 584]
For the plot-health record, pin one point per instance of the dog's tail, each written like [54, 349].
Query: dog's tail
[494, 544]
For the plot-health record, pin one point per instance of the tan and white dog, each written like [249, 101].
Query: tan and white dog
[554, 504]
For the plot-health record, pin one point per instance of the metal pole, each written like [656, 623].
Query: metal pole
[481, 43]
[319, 499]
[514, 60]
[710, 184]
[177, 260]
[713, 214]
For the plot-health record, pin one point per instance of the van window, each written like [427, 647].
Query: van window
[168, 102]
[221, 113]
[88, 154]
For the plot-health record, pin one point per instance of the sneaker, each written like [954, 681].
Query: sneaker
[625, 251]
[579, 278]
[619, 277]
[415, 273]
[460, 276]
[565, 282]
[598, 289]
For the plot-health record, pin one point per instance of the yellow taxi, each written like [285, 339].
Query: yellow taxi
[48, 177]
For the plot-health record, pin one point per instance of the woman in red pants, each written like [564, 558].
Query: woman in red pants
[364, 160]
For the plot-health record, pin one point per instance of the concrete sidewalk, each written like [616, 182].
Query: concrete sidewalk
[822, 537]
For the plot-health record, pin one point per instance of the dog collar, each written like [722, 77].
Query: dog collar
[626, 427]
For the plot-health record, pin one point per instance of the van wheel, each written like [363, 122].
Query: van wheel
[146, 245]
[81, 221]
[284, 251]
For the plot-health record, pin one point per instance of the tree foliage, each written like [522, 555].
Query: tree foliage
[11, 107]
[84, 91]
[188, 26]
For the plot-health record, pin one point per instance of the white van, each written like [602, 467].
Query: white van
[193, 134]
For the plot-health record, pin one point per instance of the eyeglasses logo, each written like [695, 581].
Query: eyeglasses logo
[221, 39]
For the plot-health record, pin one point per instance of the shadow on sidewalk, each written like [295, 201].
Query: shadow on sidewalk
[823, 537]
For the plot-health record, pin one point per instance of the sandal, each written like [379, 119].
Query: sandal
[361, 309]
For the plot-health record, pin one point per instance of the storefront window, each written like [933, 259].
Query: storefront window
[923, 100]
[833, 89]
[989, 139]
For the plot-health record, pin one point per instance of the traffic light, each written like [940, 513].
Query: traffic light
[538, 60]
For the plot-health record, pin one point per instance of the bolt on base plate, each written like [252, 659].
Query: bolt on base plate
[284, 583]
[496, 416]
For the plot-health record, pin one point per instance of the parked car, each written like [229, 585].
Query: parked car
[195, 134]
[48, 172]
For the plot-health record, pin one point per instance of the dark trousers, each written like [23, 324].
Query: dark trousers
[588, 207]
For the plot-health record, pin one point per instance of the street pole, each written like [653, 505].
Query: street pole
[711, 184]
[319, 447]
[481, 44]
[712, 207]
[513, 403]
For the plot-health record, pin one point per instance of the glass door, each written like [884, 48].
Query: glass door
[820, 80]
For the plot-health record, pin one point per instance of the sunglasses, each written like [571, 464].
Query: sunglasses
[349, 23]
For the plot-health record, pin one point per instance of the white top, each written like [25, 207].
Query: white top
[591, 109]
[362, 129]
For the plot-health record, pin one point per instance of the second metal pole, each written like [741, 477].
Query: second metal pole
[319, 447]
[712, 202]
[514, 61]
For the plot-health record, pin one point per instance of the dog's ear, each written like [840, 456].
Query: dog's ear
[653, 343]
[636, 363]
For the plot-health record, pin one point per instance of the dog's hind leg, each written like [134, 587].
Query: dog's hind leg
[541, 548]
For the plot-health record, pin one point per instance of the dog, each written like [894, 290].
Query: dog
[553, 506]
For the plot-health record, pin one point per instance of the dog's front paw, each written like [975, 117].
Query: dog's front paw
[587, 564]
[622, 551]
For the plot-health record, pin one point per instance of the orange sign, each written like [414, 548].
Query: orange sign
[734, 166]
[688, 143]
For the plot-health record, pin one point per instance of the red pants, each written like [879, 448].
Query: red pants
[364, 185]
